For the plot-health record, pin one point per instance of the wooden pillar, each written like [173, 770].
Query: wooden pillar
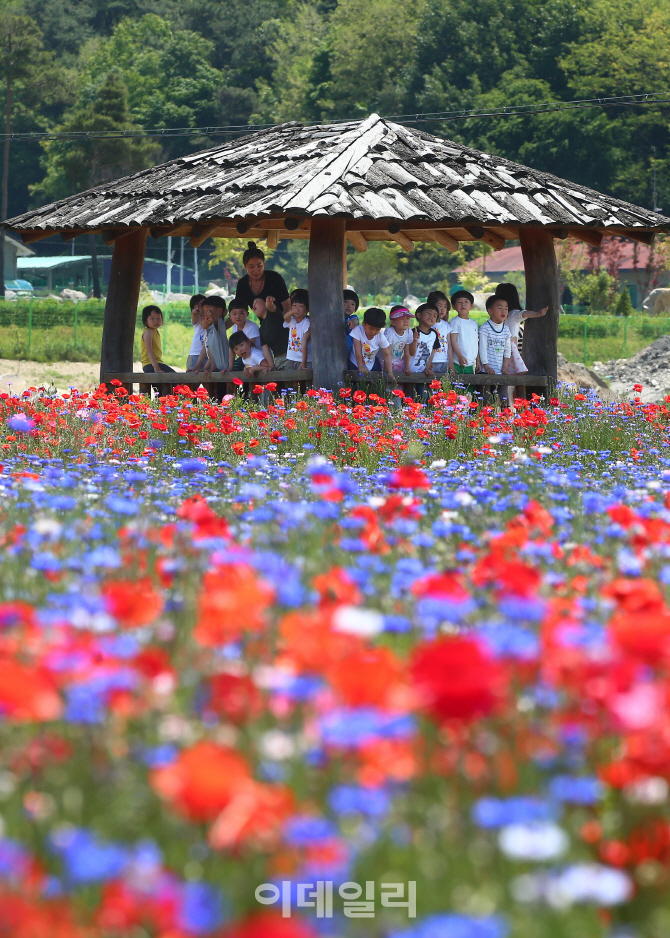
[123, 292]
[540, 336]
[326, 270]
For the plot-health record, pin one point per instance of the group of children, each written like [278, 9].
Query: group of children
[214, 349]
[434, 346]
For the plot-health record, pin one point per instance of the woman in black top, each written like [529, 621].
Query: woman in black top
[269, 286]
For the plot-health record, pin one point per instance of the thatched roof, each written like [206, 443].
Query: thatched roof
[374, 171]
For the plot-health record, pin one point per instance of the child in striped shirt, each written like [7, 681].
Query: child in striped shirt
[495, 340]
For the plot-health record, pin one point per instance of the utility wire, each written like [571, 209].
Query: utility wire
[521, 110]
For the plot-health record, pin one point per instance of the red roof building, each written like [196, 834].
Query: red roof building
[639, 267]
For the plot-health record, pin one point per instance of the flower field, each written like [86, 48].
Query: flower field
[286, 667]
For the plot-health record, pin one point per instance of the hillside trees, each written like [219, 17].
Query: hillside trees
[25, 71]
[76, 164]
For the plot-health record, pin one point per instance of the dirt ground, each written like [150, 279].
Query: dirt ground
[16, 376]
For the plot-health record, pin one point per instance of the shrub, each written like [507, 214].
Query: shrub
[623, 306]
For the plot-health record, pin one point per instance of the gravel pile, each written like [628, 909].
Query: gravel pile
[578, 375]
[649, 367]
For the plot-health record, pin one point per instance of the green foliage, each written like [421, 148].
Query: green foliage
[595, 290]
[370, 40]
[169, 80]
[74, 165]
[376, 270]
[623, 306]
[290, 94]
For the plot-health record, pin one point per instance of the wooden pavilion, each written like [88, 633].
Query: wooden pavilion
[361, 181]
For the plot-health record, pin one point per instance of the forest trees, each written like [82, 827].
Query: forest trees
[75, 163]
[203, 63]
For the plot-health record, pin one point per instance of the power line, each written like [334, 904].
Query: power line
[522, 110]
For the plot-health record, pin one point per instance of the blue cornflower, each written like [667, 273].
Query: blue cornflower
[355, 799]
[576, 790]
[498, 812]
[305, 829]
[201, 908]
[21, 423]
[121, 506]
[456, 926]
[86, 859]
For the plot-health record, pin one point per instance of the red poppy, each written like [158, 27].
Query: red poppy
[455, 679]
[132, 603]
[269, 925]
[203, 780]
[255, 816]
[409, 477]
[27, 694]
[234, 697]
[366, 677]
[233, 600]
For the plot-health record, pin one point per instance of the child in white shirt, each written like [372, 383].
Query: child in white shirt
[401, 339]
[516, 315]
[439, 300]
[368, 339]
[198, 332]
[442, 359]
[239, 313]
[255, 360]
[464, 335]
[297, 321]
[495, 341]
[427, 340]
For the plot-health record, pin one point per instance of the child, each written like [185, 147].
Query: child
[368, 339]
[442, 359]
[495, 341]
[255, 360]
[427, 341]
[516, 315]
[238, 313]
[151, 354]
[198, 332]
[401, 338]
[215, 355]
[351, 303]
[439, 300]
[297, 322]
[464, 334]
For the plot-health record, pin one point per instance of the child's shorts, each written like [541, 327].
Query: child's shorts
[464, 369]
[440, 368]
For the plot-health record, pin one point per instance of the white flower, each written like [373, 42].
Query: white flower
[652, 790]
[357, 621]
[277, 746]
[463, 498]
[581, 882]
[542, 840]
[48, 527]
[589, 882]
[438, 464]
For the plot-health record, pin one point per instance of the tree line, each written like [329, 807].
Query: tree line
[148, 64]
